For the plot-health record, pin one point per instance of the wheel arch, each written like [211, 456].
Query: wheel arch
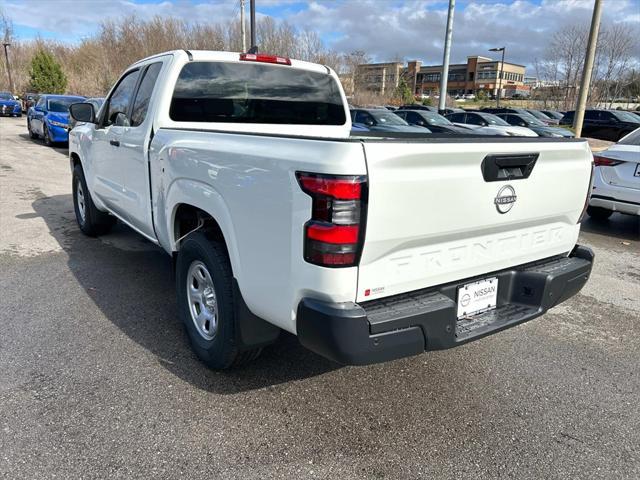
[189, 215]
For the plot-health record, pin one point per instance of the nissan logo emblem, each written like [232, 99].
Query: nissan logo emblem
[505, 199]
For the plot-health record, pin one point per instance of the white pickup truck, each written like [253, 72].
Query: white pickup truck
[367, 246]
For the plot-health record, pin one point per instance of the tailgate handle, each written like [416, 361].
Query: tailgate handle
[500, 167]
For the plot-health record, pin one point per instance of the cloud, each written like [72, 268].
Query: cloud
[385, 29]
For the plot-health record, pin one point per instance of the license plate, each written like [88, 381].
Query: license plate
[477, 297]
[637, 173]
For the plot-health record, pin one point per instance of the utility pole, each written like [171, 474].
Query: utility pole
[444, 77]
[501, 49]
[243, 34]
[6, 56]
[252, 12]
[578, 118]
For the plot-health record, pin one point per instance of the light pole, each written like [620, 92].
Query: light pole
[444, 76]
[499, 49]
[6, 56]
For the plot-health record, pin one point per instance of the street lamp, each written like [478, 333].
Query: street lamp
[499, 49]
[6, 56]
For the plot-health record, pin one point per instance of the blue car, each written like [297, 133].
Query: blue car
[49, 118]
[9, 106]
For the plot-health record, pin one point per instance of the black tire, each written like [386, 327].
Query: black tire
[94, 222]
[598, 213]
[219, 352]
[46, 137]
[32, 134]
[19, 115]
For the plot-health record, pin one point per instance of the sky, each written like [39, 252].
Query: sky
[385, 29]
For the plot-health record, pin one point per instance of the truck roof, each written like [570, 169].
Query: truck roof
[220, 56]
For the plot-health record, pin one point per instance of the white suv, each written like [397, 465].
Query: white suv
[616, 183]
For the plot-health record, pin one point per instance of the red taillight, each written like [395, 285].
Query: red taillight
[260, 57]
[600, 161]
[334, 234]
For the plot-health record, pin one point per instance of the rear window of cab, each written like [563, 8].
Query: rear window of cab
[255, 93]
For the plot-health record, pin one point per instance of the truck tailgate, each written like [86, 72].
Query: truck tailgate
[439, 212]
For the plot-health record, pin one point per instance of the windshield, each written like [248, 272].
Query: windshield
[493, 120]
[5, 96]
[387, 118]
[533, 121]
[626, 117]
[61, 105]
[632, 139]
[436, 119]
[538, 115]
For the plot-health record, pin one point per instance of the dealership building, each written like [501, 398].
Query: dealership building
[477, 74]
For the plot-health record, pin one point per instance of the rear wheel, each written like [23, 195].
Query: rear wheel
[598, 213]
[92, 222]
[204, 284]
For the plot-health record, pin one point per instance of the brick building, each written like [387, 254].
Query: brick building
[477, 74]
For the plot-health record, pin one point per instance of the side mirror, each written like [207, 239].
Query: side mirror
[121, 120]
[421, 123]
[522, 124]
[484, 124]
[369, 123]
[83, 112]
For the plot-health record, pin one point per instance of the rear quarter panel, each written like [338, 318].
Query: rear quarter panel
[247, 183]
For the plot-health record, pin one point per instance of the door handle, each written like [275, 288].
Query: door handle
[115, 143]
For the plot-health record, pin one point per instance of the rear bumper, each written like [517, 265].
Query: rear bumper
[615, 205]
[409, 324]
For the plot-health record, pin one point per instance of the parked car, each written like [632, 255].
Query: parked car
[96, 102]
[544, 118]
[521, 111]
[417, 106]
[393, 108]
[435, 122]
[490, 123]
[451, 110]
[553, 114]
[609, 125]
[241, 167]
[382, 120]
[534, 124]
[616, 179]
[28, 101]
[49, 118]
[9, 106]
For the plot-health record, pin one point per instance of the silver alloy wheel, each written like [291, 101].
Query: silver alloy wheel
[203, 304]
[81, 201]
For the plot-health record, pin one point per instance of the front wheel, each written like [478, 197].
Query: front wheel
[92, 222]
[46, 137]
[204, 284]
[598, 213]
[32, 134]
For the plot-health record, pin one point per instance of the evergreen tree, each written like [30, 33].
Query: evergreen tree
[46, 75]
[404, 92]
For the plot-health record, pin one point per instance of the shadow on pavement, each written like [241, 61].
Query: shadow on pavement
[624, 227]
[131, 282]
[62, 148]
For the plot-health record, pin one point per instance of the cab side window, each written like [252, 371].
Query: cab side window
[121, 97]
[141, 103]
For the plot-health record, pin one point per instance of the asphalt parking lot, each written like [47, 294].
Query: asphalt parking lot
[97, 378]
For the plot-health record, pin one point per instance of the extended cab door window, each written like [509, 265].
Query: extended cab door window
[141, 103]
[121, 97]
